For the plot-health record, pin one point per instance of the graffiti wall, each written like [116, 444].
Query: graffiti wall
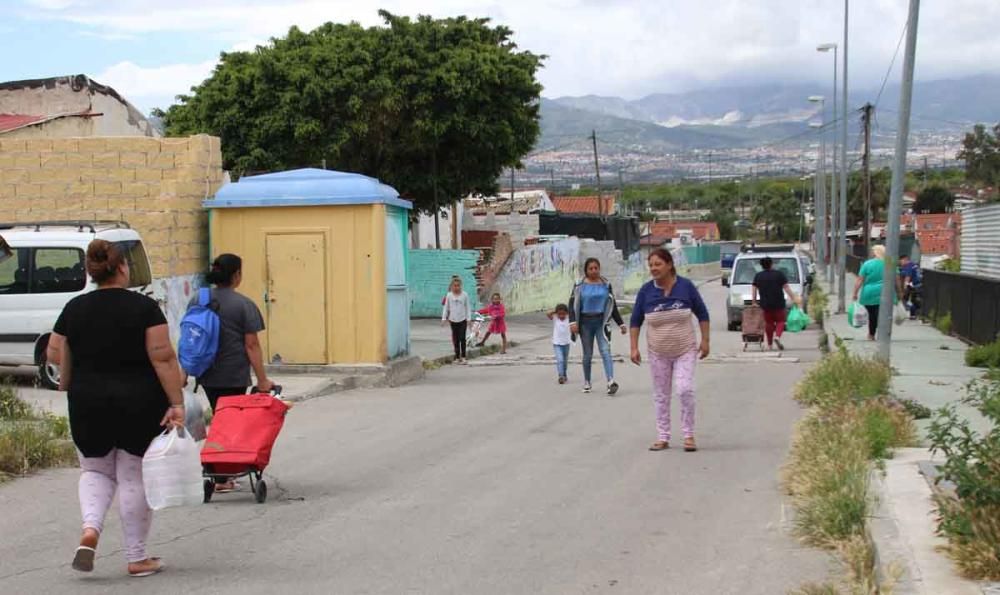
[539, 276]
[174, 294]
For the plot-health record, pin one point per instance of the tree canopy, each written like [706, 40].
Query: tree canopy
[934, 199]
[981, 152]
[436, 108]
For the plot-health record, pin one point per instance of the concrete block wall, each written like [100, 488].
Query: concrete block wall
[518, 226]
[155, 184]
[612, 262]
[430, 275]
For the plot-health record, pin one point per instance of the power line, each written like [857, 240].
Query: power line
[892, 63]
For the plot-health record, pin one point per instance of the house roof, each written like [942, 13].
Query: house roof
[584, 204]
[305, 188]
[11, 122]
[653, 240]
[700, 229]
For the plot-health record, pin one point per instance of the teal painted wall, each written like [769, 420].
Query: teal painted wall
[703, 254]
[430, 274]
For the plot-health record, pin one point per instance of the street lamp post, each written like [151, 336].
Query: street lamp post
[821, 230]
[802, 213]
[835, 242]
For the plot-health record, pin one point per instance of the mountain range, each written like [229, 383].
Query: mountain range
[735, 117]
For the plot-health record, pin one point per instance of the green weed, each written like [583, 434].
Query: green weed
[943, 324]
[30, 439]
[842, 377]
[984, 356]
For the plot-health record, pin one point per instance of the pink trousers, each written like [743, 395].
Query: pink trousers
[100, 478]
[668, 373]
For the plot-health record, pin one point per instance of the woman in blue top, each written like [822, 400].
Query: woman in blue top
[667, 303]
[868, 289]
[591, 308]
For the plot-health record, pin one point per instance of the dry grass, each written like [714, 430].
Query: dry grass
[30, 440]
[843, 377]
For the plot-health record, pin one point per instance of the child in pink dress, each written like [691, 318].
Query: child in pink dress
[498, 324]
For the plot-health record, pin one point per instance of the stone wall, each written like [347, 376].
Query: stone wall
[518, 226]
[156, 185]
[430, 275]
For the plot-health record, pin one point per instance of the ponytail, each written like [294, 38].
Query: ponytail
[224, 268]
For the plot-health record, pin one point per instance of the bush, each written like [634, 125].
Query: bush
[842, 377]
[915, 409]
[971, 517]
[984, 356]
[818, 301]
[30, 440]
[943, 324]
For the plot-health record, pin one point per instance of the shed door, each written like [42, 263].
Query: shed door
[296, 296]
[397, 299]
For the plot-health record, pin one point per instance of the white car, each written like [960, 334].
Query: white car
[42, 267]
[746, 267]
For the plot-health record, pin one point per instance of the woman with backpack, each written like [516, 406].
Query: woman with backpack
[239, 349]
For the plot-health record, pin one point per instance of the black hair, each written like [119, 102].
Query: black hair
[588, 262]
[562, 308]
[766, 263]
[496, 294]
[224, 268]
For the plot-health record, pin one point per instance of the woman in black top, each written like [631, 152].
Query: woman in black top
[124, 384]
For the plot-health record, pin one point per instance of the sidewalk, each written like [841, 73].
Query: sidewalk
[430, 341]
[928, 367]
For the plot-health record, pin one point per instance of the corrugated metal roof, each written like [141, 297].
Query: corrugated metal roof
[981, 241]
[15, 121]
[305, 188]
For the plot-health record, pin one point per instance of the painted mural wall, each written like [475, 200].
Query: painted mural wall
[174, 294]
[430, 275]
[537, 277]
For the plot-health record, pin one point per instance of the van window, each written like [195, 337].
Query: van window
[14, 272]
[747, 269]
[58, 270]
[138, 264]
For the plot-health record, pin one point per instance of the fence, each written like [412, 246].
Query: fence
[702, 254]
[623, 231]
[973, 303]
[981, 241]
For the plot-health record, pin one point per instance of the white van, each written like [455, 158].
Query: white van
[745, 268]
[42, 267]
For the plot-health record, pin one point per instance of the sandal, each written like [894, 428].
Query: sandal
[689, 445]
[156, 569]
[83, 560]
[659, 445]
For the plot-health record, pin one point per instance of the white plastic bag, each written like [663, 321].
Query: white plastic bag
[171, 471]
[899, 313]
[860, 317]
[194, 416]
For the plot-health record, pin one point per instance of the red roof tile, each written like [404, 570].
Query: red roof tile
[702, 230]
[584, 204]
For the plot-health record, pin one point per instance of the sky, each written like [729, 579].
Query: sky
[153, 50]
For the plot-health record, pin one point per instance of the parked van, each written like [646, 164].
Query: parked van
[745, 268]
[42, 267]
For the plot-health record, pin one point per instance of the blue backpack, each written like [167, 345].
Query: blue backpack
[199, 340]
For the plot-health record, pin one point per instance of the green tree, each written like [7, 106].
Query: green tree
[981, 152]
[881, 181]
[934, 199]
[437, 108]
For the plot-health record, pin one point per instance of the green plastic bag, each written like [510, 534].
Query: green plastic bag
[797, 320]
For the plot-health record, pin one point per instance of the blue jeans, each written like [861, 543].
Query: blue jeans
[562, 357]
[591, 328]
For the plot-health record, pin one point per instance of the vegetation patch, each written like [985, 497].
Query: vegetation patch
[984, 356]
[970, 515]
[818, 301]
[943, 324]
[30, 439]
[851, 426]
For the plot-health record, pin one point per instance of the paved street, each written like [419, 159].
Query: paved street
[475, 480]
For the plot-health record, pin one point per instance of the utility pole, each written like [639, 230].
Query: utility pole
[898, 182]
[842, 226]
[512, 188]
[710, 167]
[868, 108]
[552, 179]
[925, 171]
[621, 193]
[597, 170]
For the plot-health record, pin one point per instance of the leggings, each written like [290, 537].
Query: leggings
[458, 330]
[872, 319]
[100, 478]
[591, 328]
[668, 373]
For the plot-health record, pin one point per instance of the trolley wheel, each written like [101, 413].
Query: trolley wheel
[260, 492]
[744, 347]
[209, 485]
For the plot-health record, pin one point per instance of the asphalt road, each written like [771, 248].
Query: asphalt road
[476, 480]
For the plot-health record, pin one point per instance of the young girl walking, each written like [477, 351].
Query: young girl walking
[498, 324]
[561, 338]
[456, 313]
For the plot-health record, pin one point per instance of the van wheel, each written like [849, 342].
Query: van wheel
[48, 374]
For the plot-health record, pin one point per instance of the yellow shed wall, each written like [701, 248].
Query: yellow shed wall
[355, 269]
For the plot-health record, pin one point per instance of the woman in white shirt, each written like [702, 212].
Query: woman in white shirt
[456, 312]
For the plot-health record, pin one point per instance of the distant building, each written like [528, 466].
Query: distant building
[68, 106]
[584, 205]
[702, 231]
[938, 233]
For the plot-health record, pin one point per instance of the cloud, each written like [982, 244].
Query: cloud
[156, 86]
[621, 47]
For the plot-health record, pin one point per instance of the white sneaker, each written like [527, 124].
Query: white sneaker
[587, 388]
[612, 387]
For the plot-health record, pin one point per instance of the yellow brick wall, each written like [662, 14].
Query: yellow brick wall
[156, 185]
